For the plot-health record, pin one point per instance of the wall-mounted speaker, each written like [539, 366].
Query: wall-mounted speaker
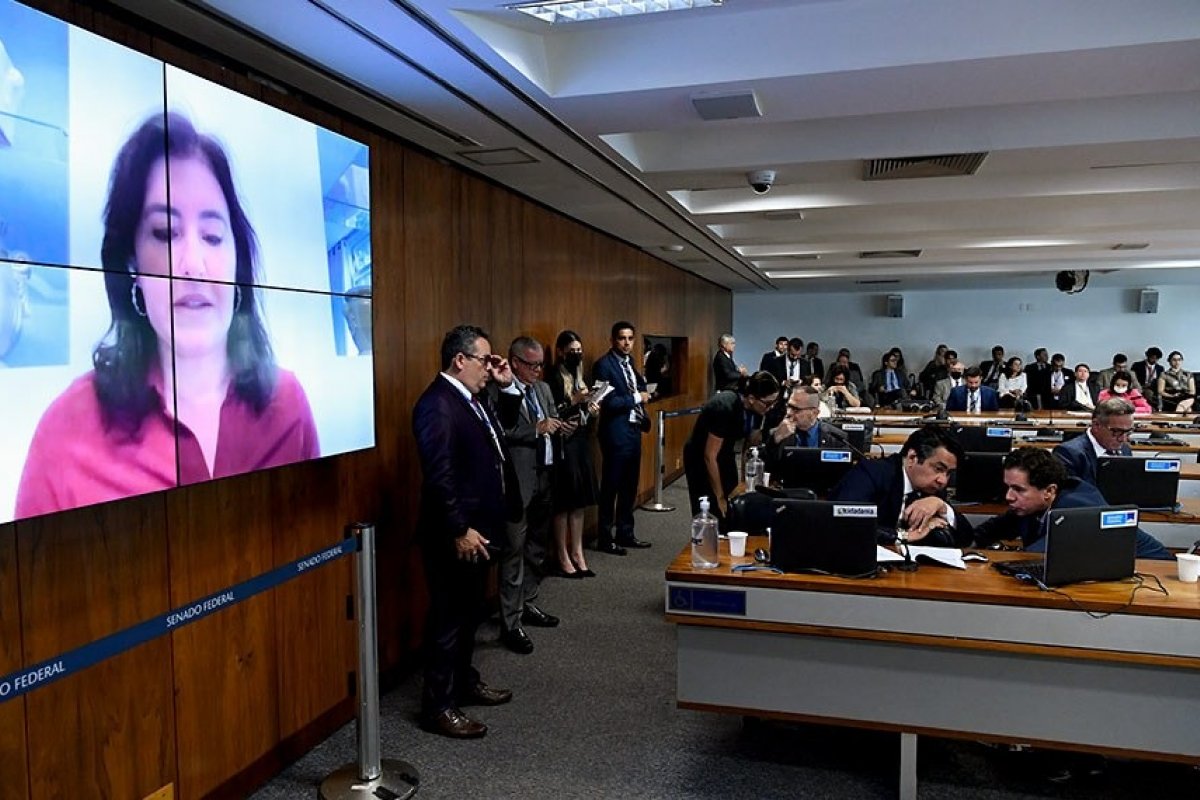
[895, 305]
[1148, 301]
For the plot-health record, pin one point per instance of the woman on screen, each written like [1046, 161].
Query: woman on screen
[186, 360]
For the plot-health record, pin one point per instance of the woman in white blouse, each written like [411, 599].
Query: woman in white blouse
[1012, 383]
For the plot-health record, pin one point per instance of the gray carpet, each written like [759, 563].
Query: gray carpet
[594, 717]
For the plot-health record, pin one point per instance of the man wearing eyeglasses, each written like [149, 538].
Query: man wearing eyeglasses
[801, 427]
[531, 430]
[469, 492]
[909, 491]
[1108, 435]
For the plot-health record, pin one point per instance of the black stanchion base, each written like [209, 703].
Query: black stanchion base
[398, 780]
[657, 507]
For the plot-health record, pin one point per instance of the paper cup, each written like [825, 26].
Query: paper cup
[1189, 566]
[737, 544]
[766, 479]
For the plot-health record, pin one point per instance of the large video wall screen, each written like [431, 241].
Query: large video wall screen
[185, 276]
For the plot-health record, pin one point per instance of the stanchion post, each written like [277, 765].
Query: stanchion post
[371, 776]
[659, 469]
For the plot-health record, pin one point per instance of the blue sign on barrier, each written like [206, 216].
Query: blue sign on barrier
[50, 670]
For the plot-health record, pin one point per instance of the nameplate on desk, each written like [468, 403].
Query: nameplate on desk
[844, 510]
[853, 426]
[1127, 518]
[835, 456]
[708, 601]
[1162, 465]
[1002, 433]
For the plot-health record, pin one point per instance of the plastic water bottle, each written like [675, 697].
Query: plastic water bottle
[704, 538]
[754, 469]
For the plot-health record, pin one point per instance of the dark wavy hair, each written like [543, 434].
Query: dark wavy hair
[761, 384]
[127, 353]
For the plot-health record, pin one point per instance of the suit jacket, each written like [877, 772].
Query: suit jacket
[520, 433]
[1037, 382]
[1066, 400]
[614, 410]
[775, 364]
[1147, 375]
[986, 368]
[1080, 458]
[989, 400]
[878, 382]
[815, 366]
[1029, 529]
[725, 371]
[941, 390]
[1103, 378]
[881, 481]
[465, 483]
[831, 436]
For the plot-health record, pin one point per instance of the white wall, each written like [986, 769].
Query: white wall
[1089, 326]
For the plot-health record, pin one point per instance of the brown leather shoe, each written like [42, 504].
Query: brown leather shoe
[455, 724]
[483, 695]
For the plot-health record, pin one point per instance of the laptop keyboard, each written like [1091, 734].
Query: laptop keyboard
[1023, 570]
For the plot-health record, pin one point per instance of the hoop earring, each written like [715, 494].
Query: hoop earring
[237, 298]
[134, 293]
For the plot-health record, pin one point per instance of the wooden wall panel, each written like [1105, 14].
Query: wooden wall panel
[107, 731]
[14, 772]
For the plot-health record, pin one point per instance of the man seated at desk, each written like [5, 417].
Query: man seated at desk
[973, 397]
[1108, 435]
[801, 427]
[1037, 482]
[909, 489]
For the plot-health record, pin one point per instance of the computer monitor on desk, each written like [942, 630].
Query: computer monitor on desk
[983, 438]
[1144, 482]
[1083, 544]
[813, 468]
[859, 432]
[824, 537]
[980, 478]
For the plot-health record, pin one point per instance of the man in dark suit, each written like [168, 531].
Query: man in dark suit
[623, 419]
[812, 355]
[1112, 422]
[1038, 482]
[992, 370]
[909, 490]
[1080, 393]
[973, 397]
[1147, 372]
[1037, 380]
[794, 365]
[468, 493]
[774, 361]
[530, 421]
[726, 372]
[800, 427]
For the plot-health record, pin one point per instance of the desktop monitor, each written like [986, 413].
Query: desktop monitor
[1084, 544]
[983, 438]
[980, 478]
[814, 468]
[824, 537]
[1144, 482]
[860, 433]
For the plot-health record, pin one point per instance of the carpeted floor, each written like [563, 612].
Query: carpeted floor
[594, 717]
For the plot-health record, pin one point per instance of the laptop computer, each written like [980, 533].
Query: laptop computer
[860, 433]
[980, 478]
[813, 468]
[1143, 482]
[824, 537]
[1083, 544]
[983, 438]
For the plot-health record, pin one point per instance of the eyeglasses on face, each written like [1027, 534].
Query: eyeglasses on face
[530, 364]
[1119, 431]
[798, 409]
[492, 360]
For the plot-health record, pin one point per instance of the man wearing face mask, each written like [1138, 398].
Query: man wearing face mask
[953, 379]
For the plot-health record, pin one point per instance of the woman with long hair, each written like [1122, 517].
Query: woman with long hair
[1012, 384]
[575, 474]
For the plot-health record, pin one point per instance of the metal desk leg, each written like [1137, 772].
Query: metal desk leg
[908, 766]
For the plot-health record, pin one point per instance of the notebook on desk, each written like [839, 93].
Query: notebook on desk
[1082, 544]
[1143, 482]
[824, 537]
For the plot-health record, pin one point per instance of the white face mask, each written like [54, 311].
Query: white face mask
[1120, 389]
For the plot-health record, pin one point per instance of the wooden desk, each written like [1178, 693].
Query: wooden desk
[959, 654]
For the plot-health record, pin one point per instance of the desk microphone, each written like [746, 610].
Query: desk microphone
[907, 565]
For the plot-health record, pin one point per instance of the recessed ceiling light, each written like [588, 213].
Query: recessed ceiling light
[556, 11]
[671, 248]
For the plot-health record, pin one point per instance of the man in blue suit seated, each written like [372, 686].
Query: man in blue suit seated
[909, 489]
[973, 397]
[1108, 435]
[1038, 482]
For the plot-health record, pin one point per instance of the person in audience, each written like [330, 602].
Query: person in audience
[186, 362]
[1038, 482]
[889, 384]
[1121, 387]
[992, 370]
[1060, 379]
[1012, 385]
[708, 455]
[794, 365]
[469, 492]
[774, 361]
[658, 371]
[1080, 394]
[900, 364]
[812, 354]
[1108, 435]
[575, 474]
[909, 490]
[1176, 386]
[726, 371]
[953, 379]
[815, 382]
[935, 370]
[801, 427]
[854, 374]
[973, 397]
[1037, 380]
[1147, 371]
[1120, 363]
[841, 393]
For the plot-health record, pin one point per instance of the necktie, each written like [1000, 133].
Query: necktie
[481, 412]
[633, 390]
[531, 403]
[973, 405]
[793, 369]
[891, 383]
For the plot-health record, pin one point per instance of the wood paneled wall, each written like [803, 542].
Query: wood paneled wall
[222, 704]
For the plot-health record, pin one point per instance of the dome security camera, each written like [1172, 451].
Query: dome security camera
[761, 180]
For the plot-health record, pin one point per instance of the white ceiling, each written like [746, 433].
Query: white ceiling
[1088, 110]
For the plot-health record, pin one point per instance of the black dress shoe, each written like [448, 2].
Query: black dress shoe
[455, 724]
[585, 573]
[634, 542]
[517, 640]
[612, 548]
[483, 695]
[532, 615]
[559, 572]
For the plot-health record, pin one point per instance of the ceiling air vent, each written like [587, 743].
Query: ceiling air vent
[1131, 246]
[889, 254]
[891, 169]
[877, 282]
[499, 157]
